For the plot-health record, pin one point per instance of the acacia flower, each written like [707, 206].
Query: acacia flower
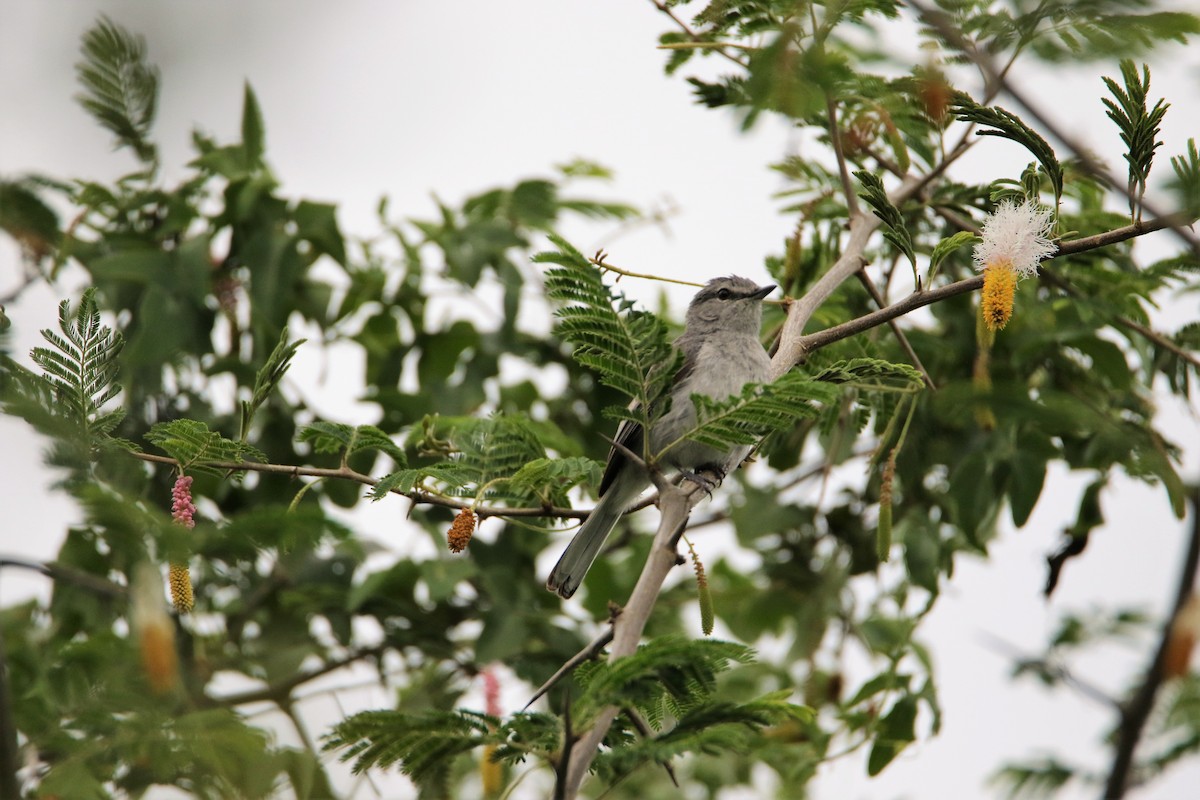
[183, 511]
[461, 531]
[1015, 239]
[155, 631]
[182, 507]
[491, 771]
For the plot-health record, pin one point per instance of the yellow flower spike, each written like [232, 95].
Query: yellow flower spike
[180, 580]
[155, 631]
[1014, 239]
[999, 289]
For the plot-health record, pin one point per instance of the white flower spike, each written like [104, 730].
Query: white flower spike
[1015, 239]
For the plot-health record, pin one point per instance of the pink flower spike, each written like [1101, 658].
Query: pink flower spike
[491, 691]
[182, 508]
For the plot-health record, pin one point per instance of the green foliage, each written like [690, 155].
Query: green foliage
[196, 448]
[760, 409]
[944, 248]
[79, 378]
[628, 348]
[1008, 126]
[267, 378]
[1139, 127]
[346, 440]
[893, 223]
[203, 276]
[1041, 779]
[421, 744]
[26, 217]
[1187, 178]
[120, 88]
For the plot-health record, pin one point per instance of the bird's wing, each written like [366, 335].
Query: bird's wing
[630, 435]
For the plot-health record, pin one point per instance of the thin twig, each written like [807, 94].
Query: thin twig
[835, 138]
[590, 651]
[1136, 710]
[599, 262]
[815, 341]
[278, 693]
[944, 25]
[676, 505]
[905, 345]
[346, 473]
[695, 37]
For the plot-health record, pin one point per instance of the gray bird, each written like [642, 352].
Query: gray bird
[721, 354]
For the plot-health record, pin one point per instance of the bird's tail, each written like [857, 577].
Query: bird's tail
[577, 559]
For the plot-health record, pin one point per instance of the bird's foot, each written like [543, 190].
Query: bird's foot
[701, 477]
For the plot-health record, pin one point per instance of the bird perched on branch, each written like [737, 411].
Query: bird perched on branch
[721, 355]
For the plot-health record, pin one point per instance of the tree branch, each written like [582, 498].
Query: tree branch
[675, 504]
[944, 25]
[349, 474]
[814, 341]
[1136, 710]
[278, 693]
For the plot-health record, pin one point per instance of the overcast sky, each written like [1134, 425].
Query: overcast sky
[410, 99]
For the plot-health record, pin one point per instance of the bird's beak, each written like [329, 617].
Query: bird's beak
[763, 292]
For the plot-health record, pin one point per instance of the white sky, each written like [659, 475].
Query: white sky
[407, 99]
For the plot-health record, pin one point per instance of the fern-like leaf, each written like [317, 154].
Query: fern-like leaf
[1139, 127]
[1008, 126]
[195, 447]
[683, 670]
[1187, 178]
[487, 455]
[873, 374]
[267, 378]
[81, 367]
[422, 745]
[627, 347]
[120, 88]
[894, 229]
[759, 410]
[334, 437]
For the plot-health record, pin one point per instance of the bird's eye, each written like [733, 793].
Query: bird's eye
[723, 294]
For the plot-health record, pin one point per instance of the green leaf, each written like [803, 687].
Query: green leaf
[267, 378]
[896, 730]
[423, 744]
[871, 374]
[943, 249]
[628, 348]
[194, 446]
[253, 131]
[1025, 485]
[1008, 126]
[333, 437]
[760, 409]
[552, 478]
[1187, 178]
[894, 229]
[26, 217]
[81, 367]
[120, 88]
[1139, 127]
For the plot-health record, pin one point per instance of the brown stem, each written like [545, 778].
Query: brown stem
[944, 25]
[279, 693]
[346, 473]
[905, 345]
[675, 504]
[1137, 709]
[814, 341]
